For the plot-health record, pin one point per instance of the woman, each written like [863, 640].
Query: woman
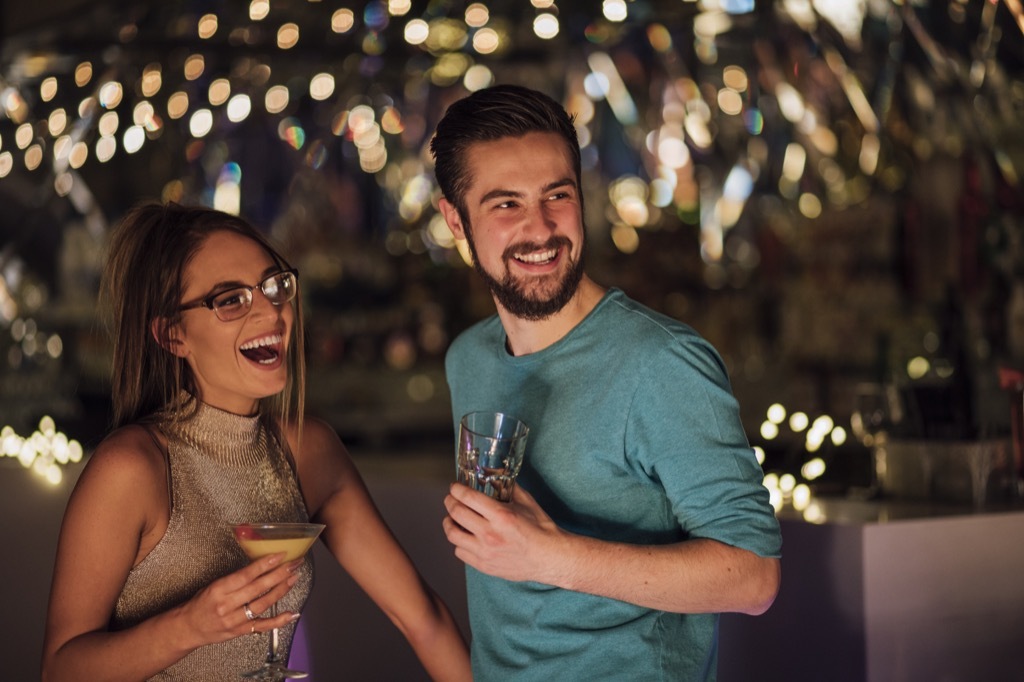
[149, 582]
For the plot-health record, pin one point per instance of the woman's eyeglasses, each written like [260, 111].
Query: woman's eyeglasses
[236, 303]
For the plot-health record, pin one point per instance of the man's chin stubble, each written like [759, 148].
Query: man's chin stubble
[518, 303]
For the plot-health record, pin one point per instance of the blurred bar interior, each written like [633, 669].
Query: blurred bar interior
[828, 190]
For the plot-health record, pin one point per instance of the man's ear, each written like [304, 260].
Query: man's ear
[167, 336]
[452, 217]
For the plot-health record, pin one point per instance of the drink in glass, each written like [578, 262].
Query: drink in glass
[490, 452]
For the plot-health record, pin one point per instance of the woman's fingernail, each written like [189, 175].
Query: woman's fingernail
[294, 617]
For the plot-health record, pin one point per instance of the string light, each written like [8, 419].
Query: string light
[45, 451]
[477, 31]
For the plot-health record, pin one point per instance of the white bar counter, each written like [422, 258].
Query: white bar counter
[876, 591]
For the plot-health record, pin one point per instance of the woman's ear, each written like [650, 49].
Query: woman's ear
[168, 336]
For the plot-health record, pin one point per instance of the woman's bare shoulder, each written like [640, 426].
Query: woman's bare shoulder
[123, 485]
[317, 435]
[131, 454]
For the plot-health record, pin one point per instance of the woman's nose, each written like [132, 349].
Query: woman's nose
[262, 305]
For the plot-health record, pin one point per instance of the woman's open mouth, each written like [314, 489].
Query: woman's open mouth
[265, 350]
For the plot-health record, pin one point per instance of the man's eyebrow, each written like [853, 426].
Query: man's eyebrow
[500, 193]
[560, 183]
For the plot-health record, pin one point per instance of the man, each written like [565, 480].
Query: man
[640, 513]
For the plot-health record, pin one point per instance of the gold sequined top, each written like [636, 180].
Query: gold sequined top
[223, 468]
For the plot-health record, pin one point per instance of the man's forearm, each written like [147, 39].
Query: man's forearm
[696, 576]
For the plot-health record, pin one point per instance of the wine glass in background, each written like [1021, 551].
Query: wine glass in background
[258, 540]
[870, 422]
[870, 416]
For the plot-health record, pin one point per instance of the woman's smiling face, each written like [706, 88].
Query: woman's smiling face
[235, 363]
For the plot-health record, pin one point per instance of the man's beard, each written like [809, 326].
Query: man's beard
[511, 295]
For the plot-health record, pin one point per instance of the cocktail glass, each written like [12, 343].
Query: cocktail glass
[258, 540]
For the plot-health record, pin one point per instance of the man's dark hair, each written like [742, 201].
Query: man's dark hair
[491, 114]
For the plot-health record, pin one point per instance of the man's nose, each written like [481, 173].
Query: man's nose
[539, 220]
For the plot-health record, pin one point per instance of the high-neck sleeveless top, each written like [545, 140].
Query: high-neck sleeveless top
[223, 468]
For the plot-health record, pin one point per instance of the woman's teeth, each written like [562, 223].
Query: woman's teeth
[262, 350]
[269, 340]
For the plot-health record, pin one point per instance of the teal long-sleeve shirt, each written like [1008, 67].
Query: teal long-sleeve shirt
[635, 437]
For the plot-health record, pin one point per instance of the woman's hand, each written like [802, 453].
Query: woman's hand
[221, 610]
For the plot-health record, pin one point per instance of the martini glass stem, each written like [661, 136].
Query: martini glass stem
[274, 638]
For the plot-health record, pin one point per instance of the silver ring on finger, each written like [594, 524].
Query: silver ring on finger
[248, 612]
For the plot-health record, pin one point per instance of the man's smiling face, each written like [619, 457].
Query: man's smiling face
[523, 222]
